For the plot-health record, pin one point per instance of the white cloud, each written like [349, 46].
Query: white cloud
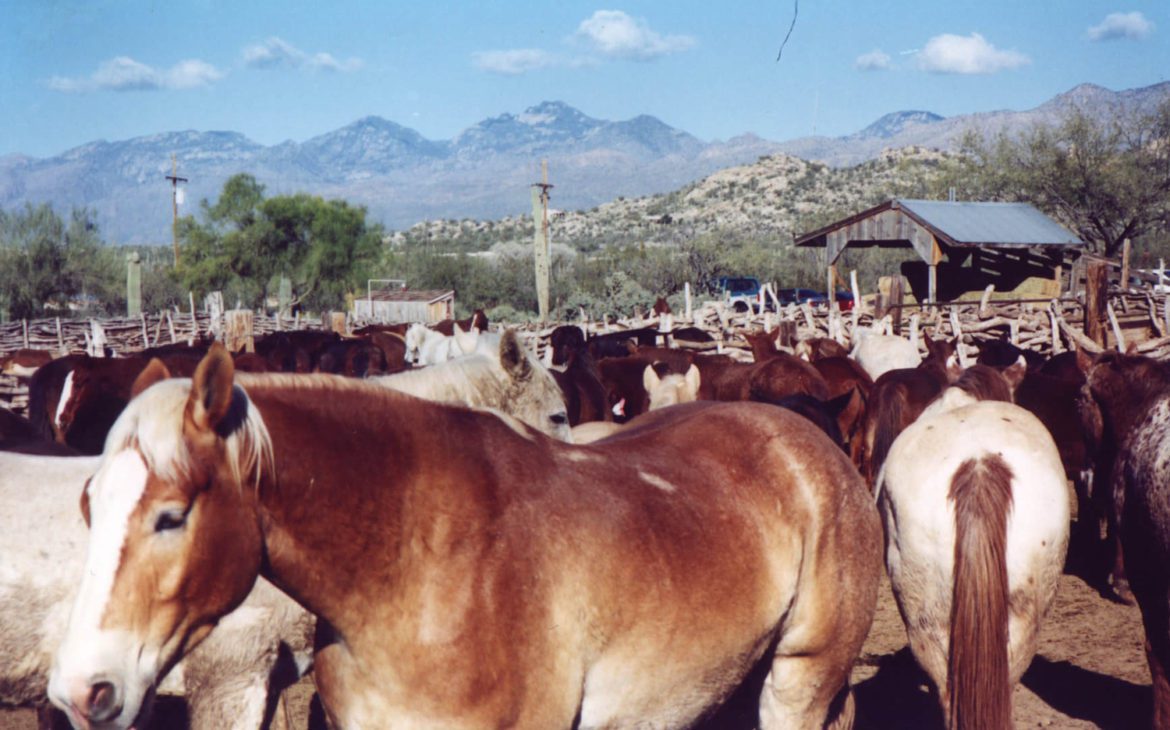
[955, 54]
[327, 62]
[191, 74]
[615, 34]
[276, 52]
[272, 52]
[875, 60]
[1130, 26]
[513, 62]
[125, 74]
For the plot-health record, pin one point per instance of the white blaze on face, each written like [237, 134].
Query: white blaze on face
[113, 495]
[66, 394]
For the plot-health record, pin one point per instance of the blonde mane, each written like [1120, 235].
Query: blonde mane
[473, 380]
[152, 423]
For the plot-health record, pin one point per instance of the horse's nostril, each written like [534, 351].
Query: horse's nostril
[103, 702]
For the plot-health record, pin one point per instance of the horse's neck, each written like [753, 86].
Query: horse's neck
[582, 360]
[1137, 396]
[935, 367]
[442, 382]
[331, 505]
[355, 508]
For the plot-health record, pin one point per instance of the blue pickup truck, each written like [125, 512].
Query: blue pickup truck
[742, 292]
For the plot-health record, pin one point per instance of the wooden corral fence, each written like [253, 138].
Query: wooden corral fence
[131, 334]
[1140, 320]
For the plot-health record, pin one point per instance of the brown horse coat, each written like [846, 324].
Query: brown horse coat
[477, 574]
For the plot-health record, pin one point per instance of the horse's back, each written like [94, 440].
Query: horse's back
[878, 354]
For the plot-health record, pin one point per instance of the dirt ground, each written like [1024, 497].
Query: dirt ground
[1090, 672]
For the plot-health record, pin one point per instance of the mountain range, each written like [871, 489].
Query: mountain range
[484, 172]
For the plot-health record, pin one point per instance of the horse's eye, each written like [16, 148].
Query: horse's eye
[170, 519]
[559, 419]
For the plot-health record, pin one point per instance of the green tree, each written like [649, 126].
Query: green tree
[246, 242]
[46, 261]
[1107, 180]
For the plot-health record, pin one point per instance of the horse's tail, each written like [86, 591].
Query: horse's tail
[978, 689]
[887, 426]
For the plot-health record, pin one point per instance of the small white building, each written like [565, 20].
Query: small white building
[407, 305]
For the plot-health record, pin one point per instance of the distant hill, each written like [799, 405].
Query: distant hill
[482, 173]
[923, 129]
[773, 198]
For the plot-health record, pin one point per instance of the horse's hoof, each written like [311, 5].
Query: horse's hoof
[1119, 591]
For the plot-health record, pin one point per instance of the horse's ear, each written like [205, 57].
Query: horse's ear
[693, 378]
[1131, 348]
[465, 340]
[211, 389]
[154, 371]
[513, 357]
[650, 379]
[1015, 373]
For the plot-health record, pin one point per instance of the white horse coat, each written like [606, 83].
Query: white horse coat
[919, 513]
[877, 353]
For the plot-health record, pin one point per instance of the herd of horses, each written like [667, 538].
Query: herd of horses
[451, 533]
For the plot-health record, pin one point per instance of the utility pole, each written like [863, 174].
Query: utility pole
[540, 240]
[175, 180]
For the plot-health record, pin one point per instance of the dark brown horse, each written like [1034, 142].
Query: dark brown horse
[841, 376]
[586, 398]
[898, 397]
[471, 571]
[1127, 402]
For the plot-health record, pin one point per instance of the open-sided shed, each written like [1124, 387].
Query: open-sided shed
[407, 305]
[962, 236]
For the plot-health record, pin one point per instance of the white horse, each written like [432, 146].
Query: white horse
[229, 681]
[425, 346]
[509, 381]
[976, 509]
[878, 353]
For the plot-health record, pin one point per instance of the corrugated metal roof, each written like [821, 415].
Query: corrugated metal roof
[1013, 224]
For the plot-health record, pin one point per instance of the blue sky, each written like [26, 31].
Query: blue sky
[74, 71]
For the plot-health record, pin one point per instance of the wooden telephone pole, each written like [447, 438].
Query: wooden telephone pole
[175, 180]
[540, 240]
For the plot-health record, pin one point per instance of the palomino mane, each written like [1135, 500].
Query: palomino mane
[381, 387]
[474, 380]
[152, 423]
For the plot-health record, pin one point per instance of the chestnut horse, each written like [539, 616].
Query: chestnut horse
[474, 572]
[1130, 396]
[977, 517]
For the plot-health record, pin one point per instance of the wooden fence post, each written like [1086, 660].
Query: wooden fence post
[1125, 265]
[238, 330]
[1096, 290]
[334, 322]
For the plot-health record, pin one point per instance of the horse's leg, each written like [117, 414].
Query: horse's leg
[1117, 581]
[810, 691]
[808, 683]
